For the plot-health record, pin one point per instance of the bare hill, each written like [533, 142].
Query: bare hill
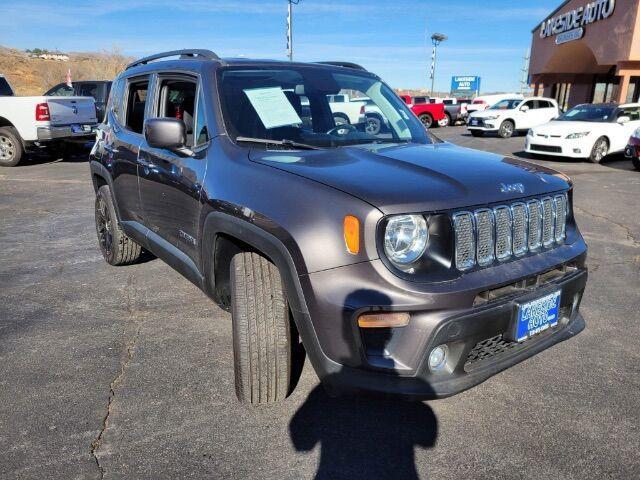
[33, 76]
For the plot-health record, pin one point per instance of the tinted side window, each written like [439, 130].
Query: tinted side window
[201, 130]
[5, 88]
[136, 101]
[116, 101]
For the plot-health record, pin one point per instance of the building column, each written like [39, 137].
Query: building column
[622, 89]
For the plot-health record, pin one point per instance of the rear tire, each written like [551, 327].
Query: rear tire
[10, 147]
[636, 163]
[261, 330]
[426, 119]
[446, 121]
[599, 151]
[116, 247]
[477, 133]
[507, 129]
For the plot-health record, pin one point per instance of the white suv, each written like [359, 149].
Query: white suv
[512, 114]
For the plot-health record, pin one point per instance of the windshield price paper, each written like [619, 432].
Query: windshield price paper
[273, 107]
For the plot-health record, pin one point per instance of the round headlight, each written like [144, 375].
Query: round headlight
[405, 238]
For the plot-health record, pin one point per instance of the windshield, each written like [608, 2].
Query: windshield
[506, 104]
[588, 113]
[314, 106]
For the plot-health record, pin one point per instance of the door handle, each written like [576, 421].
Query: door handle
[146, 163]
[111, 149]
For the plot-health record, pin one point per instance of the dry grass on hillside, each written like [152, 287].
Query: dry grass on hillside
[31, 76]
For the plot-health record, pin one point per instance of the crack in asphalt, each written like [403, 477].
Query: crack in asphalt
[130, 348]
[630, 235]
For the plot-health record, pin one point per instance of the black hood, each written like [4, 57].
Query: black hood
[418, 178]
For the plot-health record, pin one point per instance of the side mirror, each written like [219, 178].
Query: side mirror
[524, 108]
[166, 133]
[623, 119]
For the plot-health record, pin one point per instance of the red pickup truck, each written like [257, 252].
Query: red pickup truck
[428, 113]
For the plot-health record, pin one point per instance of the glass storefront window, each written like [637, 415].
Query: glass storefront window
[633, 93]
[561, 93]
[605, 90]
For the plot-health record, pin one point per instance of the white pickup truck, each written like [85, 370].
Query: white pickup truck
[30, 123]
[345, 109]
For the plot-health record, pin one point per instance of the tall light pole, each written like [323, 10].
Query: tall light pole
[436, 39]
[290, 27]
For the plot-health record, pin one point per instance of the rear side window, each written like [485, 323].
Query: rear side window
[116, 101]
[136, 102]
[201, 131]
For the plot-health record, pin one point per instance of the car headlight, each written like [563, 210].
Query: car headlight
[573, 136]
[405, 238]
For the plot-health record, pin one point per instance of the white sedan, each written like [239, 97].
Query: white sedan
[512, 114]
[586, 131]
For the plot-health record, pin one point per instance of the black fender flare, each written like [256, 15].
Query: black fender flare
[217, 223]
[97, 169]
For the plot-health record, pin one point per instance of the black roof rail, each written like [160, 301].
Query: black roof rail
[185, 53]
[345, 65]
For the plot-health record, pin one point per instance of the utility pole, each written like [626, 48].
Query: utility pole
[436, 39]
[290, 27]
[524, 81]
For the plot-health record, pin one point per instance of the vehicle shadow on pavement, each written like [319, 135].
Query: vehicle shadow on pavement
[363, 436]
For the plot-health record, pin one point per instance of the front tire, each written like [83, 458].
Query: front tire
[636, 163]
[599, 151]
[116, 247]
[261, 330]
[426, 119]
[446, 121]
[507, 129]
[10, 147]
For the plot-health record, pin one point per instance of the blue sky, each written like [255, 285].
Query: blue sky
[486, 38]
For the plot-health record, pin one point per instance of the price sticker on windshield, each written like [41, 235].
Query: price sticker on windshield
[273, 107]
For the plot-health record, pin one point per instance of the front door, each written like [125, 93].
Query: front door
[171, 182]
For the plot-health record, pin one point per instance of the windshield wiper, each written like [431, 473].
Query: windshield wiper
[285, 142]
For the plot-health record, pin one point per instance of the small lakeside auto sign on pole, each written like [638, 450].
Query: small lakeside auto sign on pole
[465, 86]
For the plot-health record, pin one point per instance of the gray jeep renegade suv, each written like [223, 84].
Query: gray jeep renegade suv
[403, 264]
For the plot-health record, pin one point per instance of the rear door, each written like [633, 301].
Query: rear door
[121, 143]
[170, 183]
[548, 111]
[624, 131]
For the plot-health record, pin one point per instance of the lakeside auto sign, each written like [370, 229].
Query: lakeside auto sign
[570, 25]
[465, 86]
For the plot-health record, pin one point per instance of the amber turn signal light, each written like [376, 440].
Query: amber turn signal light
[383, 320]
[352, 234]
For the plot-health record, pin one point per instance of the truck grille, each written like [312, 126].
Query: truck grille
[488, 235]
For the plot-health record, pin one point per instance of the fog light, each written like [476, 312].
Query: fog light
[438, 358]
[577, 150]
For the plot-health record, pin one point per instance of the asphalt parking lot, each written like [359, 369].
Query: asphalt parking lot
[127, 372]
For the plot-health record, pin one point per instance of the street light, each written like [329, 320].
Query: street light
[436, 39]
[290, 28]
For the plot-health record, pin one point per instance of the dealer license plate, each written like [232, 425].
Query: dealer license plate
[474, 122]
[537, 315]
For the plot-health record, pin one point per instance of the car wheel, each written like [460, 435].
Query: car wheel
[636, 163]
[506, 129]
[599, 151]
[446, 121]
[373, 125]
[116, 247]
[261, 330]
[10, 147]
[477, 133]
[426, 119]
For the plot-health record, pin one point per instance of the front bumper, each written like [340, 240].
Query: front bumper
[49, 133]
[484, 126]
[556, 146]
[395, 360]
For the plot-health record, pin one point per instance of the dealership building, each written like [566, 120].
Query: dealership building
[588, 51]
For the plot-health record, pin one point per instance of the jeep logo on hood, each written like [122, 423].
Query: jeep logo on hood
[511, 187]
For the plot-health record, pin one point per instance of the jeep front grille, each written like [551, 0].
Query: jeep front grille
[488, 235]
